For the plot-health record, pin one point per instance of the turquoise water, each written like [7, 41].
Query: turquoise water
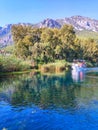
[51, 102]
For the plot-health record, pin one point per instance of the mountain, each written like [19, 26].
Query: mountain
[5, 35]
[49, 23]
[80, 24]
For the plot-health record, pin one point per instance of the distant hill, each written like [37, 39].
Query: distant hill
[84, 27]
[84, 34]
[5, 35]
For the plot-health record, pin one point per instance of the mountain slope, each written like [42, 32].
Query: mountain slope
[5, 35]
[84, 34]
[81, 24]
[49, 23]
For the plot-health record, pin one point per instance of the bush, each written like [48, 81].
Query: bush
[58, 66]
[89, 64]
[10, 64]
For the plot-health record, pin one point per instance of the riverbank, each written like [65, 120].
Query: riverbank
[57, 66]
[15, 65]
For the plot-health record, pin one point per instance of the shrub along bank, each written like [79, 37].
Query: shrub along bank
[11, 64]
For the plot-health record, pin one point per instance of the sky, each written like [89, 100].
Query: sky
[35, 11]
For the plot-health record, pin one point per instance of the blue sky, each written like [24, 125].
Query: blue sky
[34, 11]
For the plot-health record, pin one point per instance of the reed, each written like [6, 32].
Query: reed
[57, 67]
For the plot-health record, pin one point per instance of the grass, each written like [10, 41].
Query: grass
[13, 64]
[58, 66]
[87, 34]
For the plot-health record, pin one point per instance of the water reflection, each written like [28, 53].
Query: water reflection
[42, 90]
[78, 76]
[47, 102]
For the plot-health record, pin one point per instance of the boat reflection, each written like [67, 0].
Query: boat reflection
[78, 76]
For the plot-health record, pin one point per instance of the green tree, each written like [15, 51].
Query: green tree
[20, 31]
[67, 36]
[90, 50]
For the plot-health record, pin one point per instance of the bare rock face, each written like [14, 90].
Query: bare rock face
[82, 23]
[5, 35]
[50, 23]
[78, 22]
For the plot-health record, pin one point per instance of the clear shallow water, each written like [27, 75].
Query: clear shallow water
[38, 102]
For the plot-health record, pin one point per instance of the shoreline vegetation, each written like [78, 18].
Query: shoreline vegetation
[46, 49]
[14, 65]
[17, 66]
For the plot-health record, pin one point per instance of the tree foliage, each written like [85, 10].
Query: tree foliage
[47, 44]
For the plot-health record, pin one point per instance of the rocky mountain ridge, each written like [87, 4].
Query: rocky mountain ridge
[78, 22]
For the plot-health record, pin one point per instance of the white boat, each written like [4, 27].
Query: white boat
[75, 67]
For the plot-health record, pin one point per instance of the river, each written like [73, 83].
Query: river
[53, 102]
